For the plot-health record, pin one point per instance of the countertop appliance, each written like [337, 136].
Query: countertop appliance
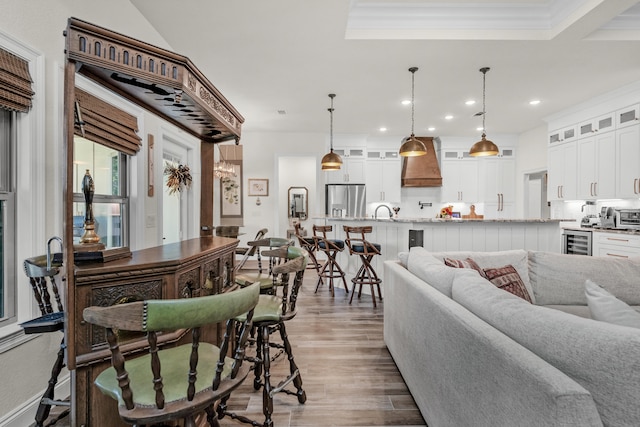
[346, 200]
[607, 217]
[590, 221]
[627, 219]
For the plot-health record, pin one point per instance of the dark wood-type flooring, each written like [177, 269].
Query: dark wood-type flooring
[348, 375]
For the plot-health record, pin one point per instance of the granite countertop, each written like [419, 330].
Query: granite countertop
[604, 230]
[442, 220]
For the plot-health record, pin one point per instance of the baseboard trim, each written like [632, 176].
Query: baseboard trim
[24, 414]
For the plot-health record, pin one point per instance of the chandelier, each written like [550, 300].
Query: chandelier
[222, 169]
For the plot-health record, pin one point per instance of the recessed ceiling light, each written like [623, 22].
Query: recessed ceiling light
[470, 102]
[406, 102]
[431, 129]
[383, 129]
[282, 112]
[479, 128]
[448, 117]
[534, 102]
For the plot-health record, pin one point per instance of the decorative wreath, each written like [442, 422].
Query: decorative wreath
[179, 177]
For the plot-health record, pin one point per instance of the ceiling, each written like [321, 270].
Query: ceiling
[277, 61]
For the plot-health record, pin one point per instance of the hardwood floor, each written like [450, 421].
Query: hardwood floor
[348, 375]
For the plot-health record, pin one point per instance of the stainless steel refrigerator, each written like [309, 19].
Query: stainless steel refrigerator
[345, 200]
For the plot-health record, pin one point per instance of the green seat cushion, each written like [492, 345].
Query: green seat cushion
[265, 280]
[269, 309]
[175, 373]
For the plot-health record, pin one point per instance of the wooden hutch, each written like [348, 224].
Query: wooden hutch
[170, 86]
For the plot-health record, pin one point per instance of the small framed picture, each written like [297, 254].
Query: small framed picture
[455, 214]
[258, 187]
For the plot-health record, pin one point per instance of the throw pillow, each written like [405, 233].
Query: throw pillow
[607, 308]
[464, 263]
[508, 279]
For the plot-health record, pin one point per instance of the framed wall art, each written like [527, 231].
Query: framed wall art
[258, 187]
[231, 193]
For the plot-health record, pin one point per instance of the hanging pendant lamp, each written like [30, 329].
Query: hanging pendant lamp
[484, 147]
[331, 161]
[412, 147]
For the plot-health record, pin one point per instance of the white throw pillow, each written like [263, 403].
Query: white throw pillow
[607, 308]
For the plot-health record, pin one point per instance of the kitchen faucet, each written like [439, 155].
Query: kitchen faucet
[375, 215]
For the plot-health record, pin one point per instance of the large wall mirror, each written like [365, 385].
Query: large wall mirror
[298, 203]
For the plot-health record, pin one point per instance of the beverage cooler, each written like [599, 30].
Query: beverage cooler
[576, 242]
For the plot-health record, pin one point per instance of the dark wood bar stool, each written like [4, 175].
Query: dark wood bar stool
[271, 314]
[366, 250]
[331, 247]
[308, 244]
[42, 272]
[250, 251]
[171, 383]
[265, 279]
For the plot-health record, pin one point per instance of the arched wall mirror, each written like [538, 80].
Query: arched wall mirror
[298, 203]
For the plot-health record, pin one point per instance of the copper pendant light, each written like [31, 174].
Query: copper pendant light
[331, 161]
[412, 147]
[484, 147]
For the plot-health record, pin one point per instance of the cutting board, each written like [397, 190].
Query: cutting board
[472, 214]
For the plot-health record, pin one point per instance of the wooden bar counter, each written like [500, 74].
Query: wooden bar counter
[192, 268]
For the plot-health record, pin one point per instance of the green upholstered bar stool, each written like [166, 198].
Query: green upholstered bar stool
[265, 279]
[366, 275]
[175, 382]
[270, 316]
[331, 247]
[250, 251]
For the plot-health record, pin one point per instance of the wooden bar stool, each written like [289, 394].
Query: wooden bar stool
[308, 244]
[271, 314]
[43, 273]
[331, 247]
[366, 250]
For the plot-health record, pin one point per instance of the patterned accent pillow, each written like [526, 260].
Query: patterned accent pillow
[508, 279]
[464, 263]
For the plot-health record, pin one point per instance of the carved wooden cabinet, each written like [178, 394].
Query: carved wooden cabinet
[187, 269]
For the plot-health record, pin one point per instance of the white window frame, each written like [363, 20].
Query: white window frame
[31, 162]
[135, 164]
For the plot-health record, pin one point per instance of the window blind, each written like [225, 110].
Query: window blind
[105, 124]
[15, 83]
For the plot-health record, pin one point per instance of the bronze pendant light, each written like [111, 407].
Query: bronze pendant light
[484, 147]
[331, 161]
[412, 147]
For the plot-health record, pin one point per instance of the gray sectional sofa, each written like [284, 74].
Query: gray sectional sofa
[475, 355]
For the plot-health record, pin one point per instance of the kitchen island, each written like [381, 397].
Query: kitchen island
[439, 234]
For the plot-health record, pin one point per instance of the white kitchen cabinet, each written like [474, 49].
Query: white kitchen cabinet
[617, 245]
[628, 116]
[562, 171]
[383, 171]
[627, 167]
[353, 167]
[499, 210]
[560, 136]
[457, 155]
[600, 124]
[459, 181]
[596, 166]
[497, 181]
